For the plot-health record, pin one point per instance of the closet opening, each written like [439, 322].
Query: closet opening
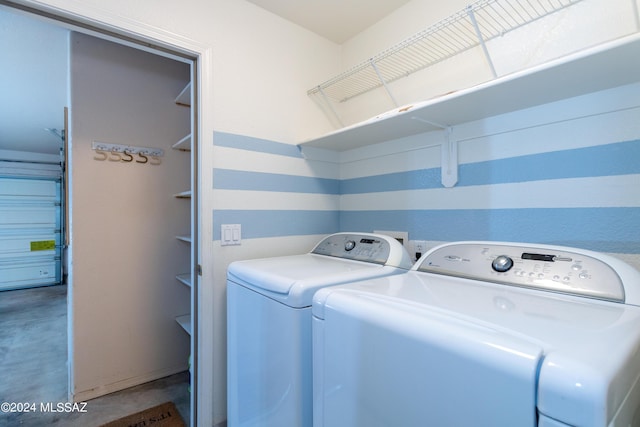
[117, 163]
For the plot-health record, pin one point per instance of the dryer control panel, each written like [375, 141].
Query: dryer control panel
[549, 268]
[373, 248]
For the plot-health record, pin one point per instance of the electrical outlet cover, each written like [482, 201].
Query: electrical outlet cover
[419, 245]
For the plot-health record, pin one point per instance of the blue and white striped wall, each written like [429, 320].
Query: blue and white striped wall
[564, 173]
[584, 197]
[271, 190]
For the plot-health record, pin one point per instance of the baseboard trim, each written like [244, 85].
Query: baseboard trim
[102, 390]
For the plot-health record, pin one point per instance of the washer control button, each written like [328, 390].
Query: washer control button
[349, 245]
[502, 264]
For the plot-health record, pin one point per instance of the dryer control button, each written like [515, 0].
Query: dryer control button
[502, 264]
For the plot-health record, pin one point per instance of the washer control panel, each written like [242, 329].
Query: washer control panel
[359, 247]
[544, 267]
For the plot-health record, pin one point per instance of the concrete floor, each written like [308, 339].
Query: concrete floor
[33, 367]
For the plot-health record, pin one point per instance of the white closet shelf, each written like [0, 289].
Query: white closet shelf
[605, 66]
[184, 278]
[184, 98]
[184, 144]
[185, 322]
[476, 24]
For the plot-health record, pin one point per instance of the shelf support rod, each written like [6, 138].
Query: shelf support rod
[449, 160]
[472, 16]
[384, 83]
[328, 103]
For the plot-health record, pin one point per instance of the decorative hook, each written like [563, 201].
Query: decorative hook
[118, 156]
[141, 154]
[102, 153]
[128, 155]
[155, 160]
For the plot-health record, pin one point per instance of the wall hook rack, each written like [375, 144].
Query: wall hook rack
[125, 153]
[130, 149]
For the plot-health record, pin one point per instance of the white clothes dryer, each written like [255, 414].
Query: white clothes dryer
[482, 334]
[269, 368]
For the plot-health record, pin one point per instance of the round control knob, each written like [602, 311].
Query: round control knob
[502, 264]
[349, 245]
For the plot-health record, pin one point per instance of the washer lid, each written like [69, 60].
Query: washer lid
[280, 274]
[589, 369]
[385, 358]
[338, 258]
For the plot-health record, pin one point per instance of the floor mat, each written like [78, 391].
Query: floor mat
[164, 415]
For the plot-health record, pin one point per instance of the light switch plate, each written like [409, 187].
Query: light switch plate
[230, 234]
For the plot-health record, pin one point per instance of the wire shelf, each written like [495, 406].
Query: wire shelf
[466, 29]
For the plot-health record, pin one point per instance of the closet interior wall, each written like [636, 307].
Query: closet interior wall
[124, 218]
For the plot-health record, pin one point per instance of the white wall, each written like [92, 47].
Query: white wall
[261, 67]
[124, 218]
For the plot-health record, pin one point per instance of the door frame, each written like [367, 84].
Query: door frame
[137, 34]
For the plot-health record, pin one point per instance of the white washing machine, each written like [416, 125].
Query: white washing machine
[269, 323]
[482, 334]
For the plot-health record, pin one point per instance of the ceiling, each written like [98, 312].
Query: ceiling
[336, 20]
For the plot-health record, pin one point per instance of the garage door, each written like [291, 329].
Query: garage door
[30, 232]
